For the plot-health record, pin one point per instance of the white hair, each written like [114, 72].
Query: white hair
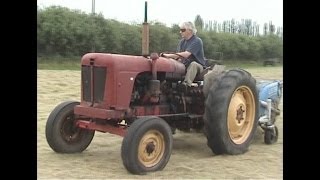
[189, 25]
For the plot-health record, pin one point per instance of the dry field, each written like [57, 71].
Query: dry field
[190, 159]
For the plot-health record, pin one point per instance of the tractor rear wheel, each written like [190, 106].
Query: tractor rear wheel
[231, 112]
[63, 136]
[147, 145]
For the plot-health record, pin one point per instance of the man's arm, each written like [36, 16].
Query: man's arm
[178, 55]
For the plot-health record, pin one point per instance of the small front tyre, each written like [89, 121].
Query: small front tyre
[147, 145]
[62, 134]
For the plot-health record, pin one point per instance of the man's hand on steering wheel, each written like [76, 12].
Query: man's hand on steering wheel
[177, 58]
[162, 54]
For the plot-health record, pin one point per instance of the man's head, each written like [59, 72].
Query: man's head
[187, 29]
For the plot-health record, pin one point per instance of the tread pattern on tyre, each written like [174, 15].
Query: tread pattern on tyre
[53, 134]
[216, 110]
[130, 143]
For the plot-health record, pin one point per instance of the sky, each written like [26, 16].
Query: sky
[176, 11]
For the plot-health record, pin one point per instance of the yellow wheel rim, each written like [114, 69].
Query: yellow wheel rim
[241, 114]
[151, 148]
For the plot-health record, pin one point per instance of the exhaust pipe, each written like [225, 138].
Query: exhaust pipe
[145, 32]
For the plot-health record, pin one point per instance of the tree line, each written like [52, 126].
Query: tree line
[65, 32]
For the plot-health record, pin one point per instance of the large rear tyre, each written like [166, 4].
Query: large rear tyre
[231, 112]
[63, 136]
[147, 145]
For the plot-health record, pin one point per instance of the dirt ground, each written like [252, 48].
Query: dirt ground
[191, 158]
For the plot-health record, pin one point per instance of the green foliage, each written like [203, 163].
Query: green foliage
[198, 22]
[62, 32]
[162, 38]
[271, 47]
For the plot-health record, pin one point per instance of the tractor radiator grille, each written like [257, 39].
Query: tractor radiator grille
[95, 77]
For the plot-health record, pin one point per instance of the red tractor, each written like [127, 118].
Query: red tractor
[137, 97]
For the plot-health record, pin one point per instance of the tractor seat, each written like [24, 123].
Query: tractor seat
[200, 77]
[215, 68]
[210, 66]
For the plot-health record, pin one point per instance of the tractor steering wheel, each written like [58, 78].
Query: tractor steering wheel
[162, 55]
[179, 55]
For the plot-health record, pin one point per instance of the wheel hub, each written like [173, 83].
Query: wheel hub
[69, 131]
[150, 148]
[240, 112]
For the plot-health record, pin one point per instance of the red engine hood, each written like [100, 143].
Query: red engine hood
[132, 63]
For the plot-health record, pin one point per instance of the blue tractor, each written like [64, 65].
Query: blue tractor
[270, 93]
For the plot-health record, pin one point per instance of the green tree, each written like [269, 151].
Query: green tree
[198, 22]
[65, 32]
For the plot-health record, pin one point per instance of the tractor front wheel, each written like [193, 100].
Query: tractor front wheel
[147, 145]
[62, 134]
